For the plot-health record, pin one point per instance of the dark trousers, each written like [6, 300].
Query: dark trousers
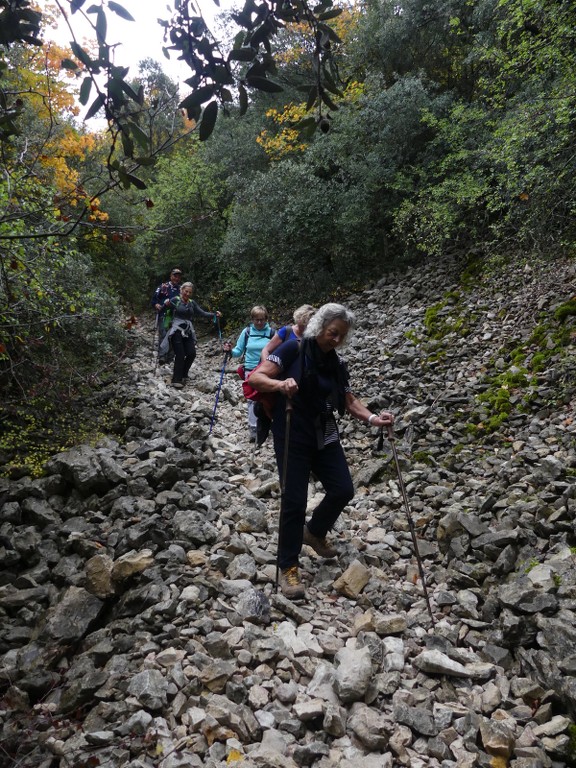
[330, 467]
[169, 356]
[161, 332]
[184, 353]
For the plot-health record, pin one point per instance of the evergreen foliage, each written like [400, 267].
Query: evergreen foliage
[400, 132]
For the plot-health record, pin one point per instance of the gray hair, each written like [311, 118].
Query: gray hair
[326, 315]
[186, 285]
[303, 314]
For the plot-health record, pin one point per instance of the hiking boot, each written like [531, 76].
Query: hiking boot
[290, 583]
[263, 424]
[320, 546]
[177, 385]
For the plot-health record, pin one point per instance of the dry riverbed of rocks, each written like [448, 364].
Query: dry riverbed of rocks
[139, 623]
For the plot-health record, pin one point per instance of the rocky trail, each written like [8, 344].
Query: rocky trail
[139, 625]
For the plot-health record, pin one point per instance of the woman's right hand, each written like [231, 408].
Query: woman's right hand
[289, 387]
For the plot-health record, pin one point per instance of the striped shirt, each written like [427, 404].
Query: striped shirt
[331, 434]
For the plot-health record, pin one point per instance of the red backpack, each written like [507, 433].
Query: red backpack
[266, 398]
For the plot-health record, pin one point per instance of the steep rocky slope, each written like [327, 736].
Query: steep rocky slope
[139, 621]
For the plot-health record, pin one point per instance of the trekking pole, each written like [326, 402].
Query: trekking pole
[154, 345]
[253, 456]
[217, 322]
[410, 521]
[283, 487]
[218, 390]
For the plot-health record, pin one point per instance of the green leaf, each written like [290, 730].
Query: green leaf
[80, 53]
[101, 26]
[329, 83]
[330, 33]
[306, 122]
[119, 72]
[85, 89]
[123, 176]
[127, 144]
[75, 5]
[120, 11]
[239, 40]
[198, 97]
[312, 96]
[129, 91]
[330, 14]
[139, 135]
[68, 64]
[246, 53]
[97, 104]
[243, 99]
[116, 93]
[222, 75]
[257, 69]
[192, 112]
[208, 120]
[328, 101]
[260, 34]
[263, 84]
[104, 55]
[287, 15]
[146, 161]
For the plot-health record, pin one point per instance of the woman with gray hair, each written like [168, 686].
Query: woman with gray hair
[312, 379]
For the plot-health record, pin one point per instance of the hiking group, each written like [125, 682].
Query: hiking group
[175, 311]
[299, 380]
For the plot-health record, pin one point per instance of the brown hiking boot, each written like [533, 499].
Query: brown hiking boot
[320, 546]
[290, 583]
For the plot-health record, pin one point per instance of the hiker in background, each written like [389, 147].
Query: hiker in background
[315, 379]
[301, 319]
[250, 344]
[181, 335]
[161, 302]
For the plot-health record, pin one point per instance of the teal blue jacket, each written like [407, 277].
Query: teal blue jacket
[250, 343]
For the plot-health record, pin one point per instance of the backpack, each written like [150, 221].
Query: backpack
[266, 399]
[253, 394]
[247, 332]
[241, 371]
[168, 316]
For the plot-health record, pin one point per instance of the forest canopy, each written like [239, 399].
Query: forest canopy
[312, 147]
